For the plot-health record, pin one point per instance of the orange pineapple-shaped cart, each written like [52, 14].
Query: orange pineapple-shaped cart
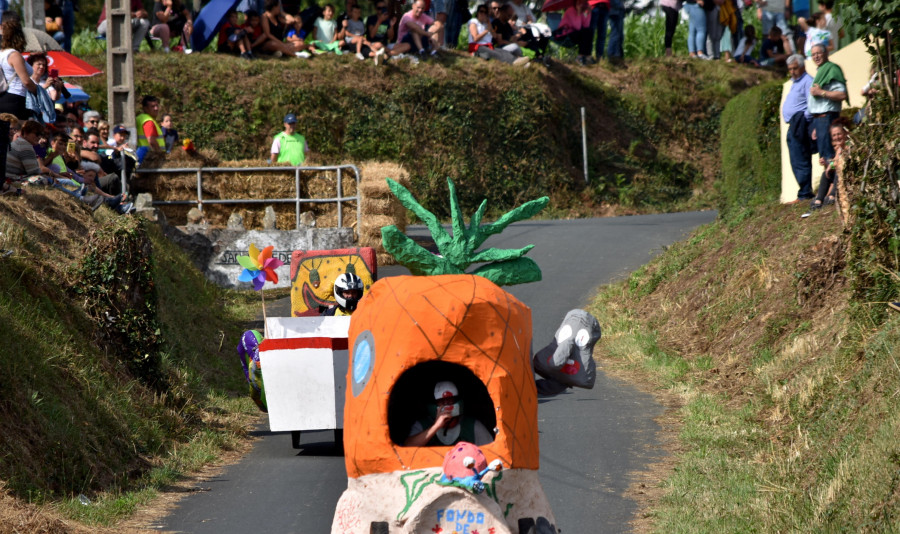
[408, 333]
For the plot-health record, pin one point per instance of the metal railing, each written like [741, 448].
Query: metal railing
[339, 199]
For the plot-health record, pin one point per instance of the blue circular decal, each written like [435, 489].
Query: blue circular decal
[363, 361]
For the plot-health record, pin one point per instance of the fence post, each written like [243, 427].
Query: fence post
[340, 203]
[200, 188]
[297, 198]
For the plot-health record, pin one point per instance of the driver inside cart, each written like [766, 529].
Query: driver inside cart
[348, 289]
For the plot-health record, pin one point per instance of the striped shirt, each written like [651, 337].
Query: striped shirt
[21, 161]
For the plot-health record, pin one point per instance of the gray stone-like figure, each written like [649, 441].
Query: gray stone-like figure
[568, 360]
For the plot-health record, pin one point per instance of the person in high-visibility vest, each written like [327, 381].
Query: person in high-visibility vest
[289, 145]
[150, 134]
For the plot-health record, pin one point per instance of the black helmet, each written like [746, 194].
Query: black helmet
[348, 282]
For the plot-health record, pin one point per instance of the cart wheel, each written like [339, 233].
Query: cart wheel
[339, 439]
[295, 438]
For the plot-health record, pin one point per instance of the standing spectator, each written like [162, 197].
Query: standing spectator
[150, 133]
[459, 11]
[599, 18]
[68, 11]
[289, 145]
[815, 33]
[615, 50]
[800, 8]
[713, 28]
[12, 43]
[795, 112]
[828, 90]
[170, 134]
[170, 18]
[832, 23]
[696, 28]
[140, 23]
[771, 13]
[418, 32]
[40, 102]
[670, 9]
[575, 30]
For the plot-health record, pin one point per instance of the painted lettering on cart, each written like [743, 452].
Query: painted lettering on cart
[463, 521]
[229, 257]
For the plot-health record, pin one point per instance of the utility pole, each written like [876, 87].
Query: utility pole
[119, 64]
[33, 14]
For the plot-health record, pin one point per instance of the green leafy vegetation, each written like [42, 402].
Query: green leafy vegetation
[117, 378]
[751, 150]
[771, 336]
[507, 135]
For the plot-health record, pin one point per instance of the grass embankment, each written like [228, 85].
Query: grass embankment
[118, 373]
[779, 368]
[502, 133]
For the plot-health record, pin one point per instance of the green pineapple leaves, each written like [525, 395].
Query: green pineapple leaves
[460, 250]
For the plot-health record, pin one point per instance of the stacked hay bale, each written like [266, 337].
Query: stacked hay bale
[380, 207]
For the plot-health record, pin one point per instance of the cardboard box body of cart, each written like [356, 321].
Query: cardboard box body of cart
[304, 368]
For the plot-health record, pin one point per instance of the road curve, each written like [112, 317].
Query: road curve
[590, 440]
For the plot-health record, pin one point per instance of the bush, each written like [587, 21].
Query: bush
[751, 150]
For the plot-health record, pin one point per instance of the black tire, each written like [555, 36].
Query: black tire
[339, 440]
[295, 438]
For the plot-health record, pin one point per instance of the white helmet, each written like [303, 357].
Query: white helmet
[348, 282]
[445, 389]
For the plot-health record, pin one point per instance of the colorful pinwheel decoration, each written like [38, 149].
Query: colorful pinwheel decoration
[259, 267]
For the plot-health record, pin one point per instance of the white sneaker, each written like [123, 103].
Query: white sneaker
[277, 53]
[304, 54]
[188, 50]
[378, 54]
[360, 57]
[166, 50]
[521, 61]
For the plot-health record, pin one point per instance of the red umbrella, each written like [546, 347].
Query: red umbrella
[562, 5]
[68, 65]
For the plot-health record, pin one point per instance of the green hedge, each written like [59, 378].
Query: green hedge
[751, 153]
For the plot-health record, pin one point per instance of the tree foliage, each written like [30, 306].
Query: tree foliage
[877, 23]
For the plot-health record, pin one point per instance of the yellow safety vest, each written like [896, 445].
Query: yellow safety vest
[142, 138]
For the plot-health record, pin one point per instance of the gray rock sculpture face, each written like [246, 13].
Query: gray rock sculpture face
[568, 360]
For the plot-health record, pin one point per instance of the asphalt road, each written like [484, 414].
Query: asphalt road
[590, 440]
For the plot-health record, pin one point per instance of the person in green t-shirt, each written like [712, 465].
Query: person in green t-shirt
[289, 145]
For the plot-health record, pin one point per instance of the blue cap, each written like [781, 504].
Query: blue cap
[290, 118]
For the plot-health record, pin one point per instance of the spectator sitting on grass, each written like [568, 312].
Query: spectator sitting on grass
[274, 28]
[506, 36]
[326, 34]
[381, 28]
[417, 32]
[23, 164]
[233, 37]
[481, 39]
[773, 48]
[355, 35]
[744, 51]
[171, 18]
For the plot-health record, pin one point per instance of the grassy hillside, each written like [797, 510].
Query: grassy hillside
[506, 134]
[119, 371]
[769, 338]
